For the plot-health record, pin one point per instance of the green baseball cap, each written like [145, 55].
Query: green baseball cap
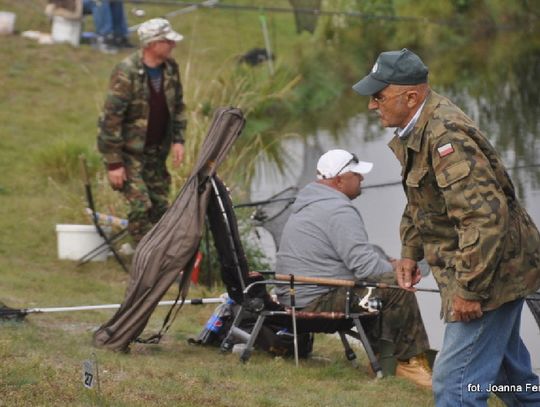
[393, 68]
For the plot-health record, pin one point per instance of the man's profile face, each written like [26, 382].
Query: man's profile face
[391, 106]
[162, 48]
[351, 184]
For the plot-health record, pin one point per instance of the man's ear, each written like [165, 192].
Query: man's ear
[413, 99]
[338, 182]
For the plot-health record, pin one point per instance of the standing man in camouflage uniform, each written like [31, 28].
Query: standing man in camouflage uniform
[463, 216]
[142, 120]
[325, 237]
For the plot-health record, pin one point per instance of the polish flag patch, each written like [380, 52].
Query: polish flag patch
[445, 150]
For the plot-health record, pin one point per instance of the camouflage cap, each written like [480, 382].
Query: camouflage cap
[157, 29]
[393, 68]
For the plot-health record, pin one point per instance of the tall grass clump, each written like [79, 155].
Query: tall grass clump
[260, 96]
[61, 160]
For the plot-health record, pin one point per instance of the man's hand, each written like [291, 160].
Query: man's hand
[117, 177]
[408, 274]
[465, 310]
[177, 154]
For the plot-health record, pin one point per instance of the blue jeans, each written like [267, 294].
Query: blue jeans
[481, 354]
[109, 17]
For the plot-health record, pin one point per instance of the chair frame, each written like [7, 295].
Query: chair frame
[250, 338]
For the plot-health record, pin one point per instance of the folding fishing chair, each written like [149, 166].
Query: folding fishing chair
[108, 243]
[249, 292]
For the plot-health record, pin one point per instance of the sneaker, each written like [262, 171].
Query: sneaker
[102, 45]
[123, 42]
[415, 370]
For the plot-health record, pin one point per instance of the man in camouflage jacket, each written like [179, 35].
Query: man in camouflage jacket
[463, 216]
[142, 120]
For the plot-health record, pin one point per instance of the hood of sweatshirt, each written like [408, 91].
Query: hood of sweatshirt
[316, 192]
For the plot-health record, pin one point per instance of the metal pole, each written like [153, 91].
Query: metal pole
[293, 309]
[267, 44]
[194, 301]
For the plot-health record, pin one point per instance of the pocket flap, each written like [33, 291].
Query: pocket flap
[415, 176]
[468, 237]
[453, 173]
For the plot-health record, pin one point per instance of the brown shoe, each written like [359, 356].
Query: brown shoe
[415, 370]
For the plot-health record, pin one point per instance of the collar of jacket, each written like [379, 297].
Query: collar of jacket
[414, 141]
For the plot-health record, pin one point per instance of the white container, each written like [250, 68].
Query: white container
[64, 30]
[75, 241]
[7, 22]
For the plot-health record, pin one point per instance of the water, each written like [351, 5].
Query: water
[382, 207]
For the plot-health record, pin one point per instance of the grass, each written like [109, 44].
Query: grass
[50, 97]
[174, 373]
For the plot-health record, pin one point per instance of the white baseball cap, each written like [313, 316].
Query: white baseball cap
[336, 162]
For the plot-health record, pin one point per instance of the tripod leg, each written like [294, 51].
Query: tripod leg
[349, 352]
[116, 255]
[254, 333]
[99, 249]
[369, 351]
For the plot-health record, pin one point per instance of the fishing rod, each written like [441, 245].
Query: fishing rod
[381, 185]
[263, 202]
[20, 313]
[346, 283]
[365, 284]
[310, 11]
[293, 198]
[188, 9]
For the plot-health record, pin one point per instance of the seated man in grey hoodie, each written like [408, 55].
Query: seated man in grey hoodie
[325, 237]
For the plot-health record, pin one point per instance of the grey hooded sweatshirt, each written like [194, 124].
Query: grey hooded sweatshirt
[325, 237]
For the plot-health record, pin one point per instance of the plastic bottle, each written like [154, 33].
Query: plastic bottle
[213, 326]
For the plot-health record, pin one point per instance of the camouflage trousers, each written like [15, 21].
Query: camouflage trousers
[146, 190]
[400, 322]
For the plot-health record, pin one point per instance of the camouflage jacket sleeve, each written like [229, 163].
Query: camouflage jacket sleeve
[178, 119]
[119, 95]
[412, 247]
[476, 207]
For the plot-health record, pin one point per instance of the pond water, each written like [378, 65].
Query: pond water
[508, 113]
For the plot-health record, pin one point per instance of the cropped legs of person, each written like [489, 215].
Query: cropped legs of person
[482, 355]
[147, 191]
[109, 21]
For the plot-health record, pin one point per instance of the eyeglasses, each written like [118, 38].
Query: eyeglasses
[381, 99]
[354, 159]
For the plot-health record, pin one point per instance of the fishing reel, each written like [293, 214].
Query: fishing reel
[369, 303]
[255, 304]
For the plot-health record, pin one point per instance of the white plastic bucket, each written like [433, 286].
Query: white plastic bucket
[7, 22]
[74, 241]
[64, 30]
